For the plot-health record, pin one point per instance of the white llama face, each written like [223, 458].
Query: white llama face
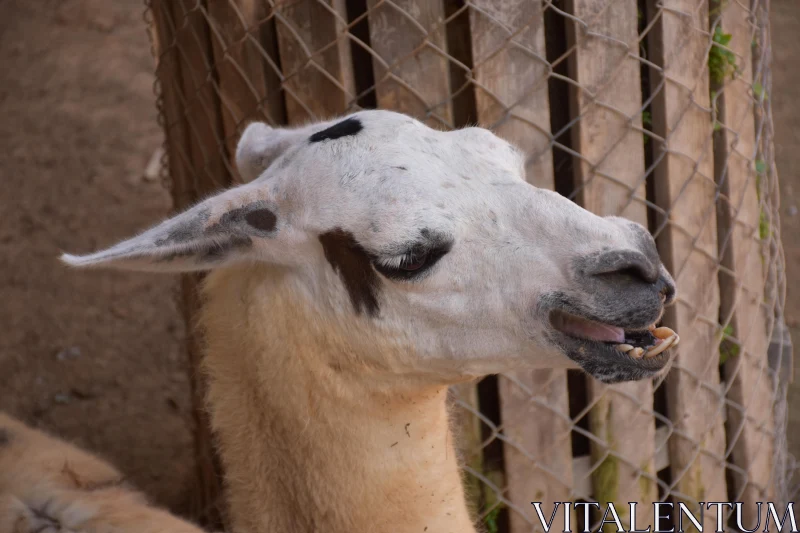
[429, 236]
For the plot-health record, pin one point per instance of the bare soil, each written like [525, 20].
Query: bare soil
[95, 357]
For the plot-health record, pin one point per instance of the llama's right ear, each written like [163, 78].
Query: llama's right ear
[240, 224]
[259, 146]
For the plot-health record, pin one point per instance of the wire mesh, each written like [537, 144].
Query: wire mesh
[658, 111]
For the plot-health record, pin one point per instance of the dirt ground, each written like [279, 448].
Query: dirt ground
[93, 356]
[96, 357]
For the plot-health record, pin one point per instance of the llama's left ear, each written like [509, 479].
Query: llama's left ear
[260, 145]
[235, 225]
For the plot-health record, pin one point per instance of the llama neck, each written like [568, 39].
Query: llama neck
[313, 438]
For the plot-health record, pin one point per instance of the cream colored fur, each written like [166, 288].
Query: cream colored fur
[335, 439]
[48, 486]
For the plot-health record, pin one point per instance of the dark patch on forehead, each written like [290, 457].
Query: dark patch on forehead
[354, 266]
[5, 437]
[345, 128]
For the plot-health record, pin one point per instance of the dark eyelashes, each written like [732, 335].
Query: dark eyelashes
[411, 265]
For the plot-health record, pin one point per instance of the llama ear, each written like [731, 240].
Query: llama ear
[260, 145]
[235, 225]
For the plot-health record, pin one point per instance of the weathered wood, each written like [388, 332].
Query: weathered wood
[315, 59]
[538, 451]
[750, 422]
[685, 189]
[411, 70]
[197, 167]
[510, 75]
[610, 180]
[511, 97]
[246, 65]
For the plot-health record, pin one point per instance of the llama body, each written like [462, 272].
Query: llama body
[368, 264]
[49, 486]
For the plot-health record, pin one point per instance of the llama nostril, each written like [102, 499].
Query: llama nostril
[627, 263]
[666, 288]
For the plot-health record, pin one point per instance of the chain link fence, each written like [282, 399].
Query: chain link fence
[658, 111]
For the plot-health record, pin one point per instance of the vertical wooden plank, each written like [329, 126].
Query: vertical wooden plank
[610, 177]
[510, 77]
[411, 70]
[750, 422]
[510, 73]
[246, 63]
[685, 189]
[197, 167]
[315, 59]
[538, 450]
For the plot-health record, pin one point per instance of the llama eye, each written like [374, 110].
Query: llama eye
[413, 262]
[412, 265]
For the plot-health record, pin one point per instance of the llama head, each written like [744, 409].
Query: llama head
[431, 237]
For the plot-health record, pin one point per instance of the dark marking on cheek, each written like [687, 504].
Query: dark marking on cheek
[261, 219]
[353, 264]
[401, 168]
[345, 128]
[5, 437]
[465, 178]
[447, 185]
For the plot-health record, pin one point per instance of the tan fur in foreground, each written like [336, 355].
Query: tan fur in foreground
[48, 486]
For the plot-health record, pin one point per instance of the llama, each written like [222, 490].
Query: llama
[49, 486]
[367, 264]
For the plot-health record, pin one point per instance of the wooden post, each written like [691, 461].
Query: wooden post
[411, 70]
[197, 166]
[246, 64]
[510, 75]
[511, 97]
[686, 190]
[750, 423]
[315, 59]
[611, 180]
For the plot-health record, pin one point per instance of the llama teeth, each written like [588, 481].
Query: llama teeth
[663, 332]
[637, 352]
[624, 348]
[660, 347]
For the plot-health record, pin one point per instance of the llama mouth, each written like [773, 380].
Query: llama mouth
[636, 343]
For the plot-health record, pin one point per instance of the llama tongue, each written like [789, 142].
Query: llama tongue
[590, 330]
